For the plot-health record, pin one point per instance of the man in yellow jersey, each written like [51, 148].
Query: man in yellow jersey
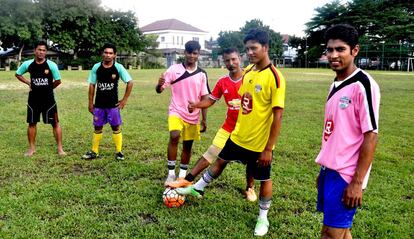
[257, 128]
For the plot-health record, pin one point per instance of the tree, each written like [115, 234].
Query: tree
[235, 38]
[228, 39]
[20, 24]
[83, 26]
[275, 39]
[390, 21]
[70, 25]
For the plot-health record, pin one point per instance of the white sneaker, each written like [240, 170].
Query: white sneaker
[170, 179]
[262, 227]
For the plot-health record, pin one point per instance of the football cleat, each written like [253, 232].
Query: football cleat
[262, 227]
[170, 179]
[119, 156]
[190, 191]
[90, 155]
[179, 183]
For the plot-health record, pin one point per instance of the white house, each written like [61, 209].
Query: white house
[172, 36]
[173, 33]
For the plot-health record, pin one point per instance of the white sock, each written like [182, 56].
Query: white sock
[203, 181]
[171, 167]
[183, 170]
[182, 173]
[264, 206]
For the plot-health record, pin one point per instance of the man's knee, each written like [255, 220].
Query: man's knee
[334, 233]
[116, 128]
[175, 136]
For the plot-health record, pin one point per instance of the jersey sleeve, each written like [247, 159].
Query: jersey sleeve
[278, 88]
[217, 91]
[92, 75]
[205, 90]
[24, 67]
[168, 77]
[123, 73]
[367, 103]
[54, 69]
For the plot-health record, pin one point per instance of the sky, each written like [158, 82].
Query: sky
[285, 17]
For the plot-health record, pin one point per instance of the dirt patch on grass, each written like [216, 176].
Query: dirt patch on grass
[148, 218]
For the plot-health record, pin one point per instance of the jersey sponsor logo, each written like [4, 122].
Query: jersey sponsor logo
[344, 102]
[247, 103]
[102, 86]
[258, 88]
[40, 81]
[328, 129]
[234, 104]
[113, 76]
[226, 91]
[46, 71]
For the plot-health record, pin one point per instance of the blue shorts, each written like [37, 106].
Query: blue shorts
[101, 116]
[331, 187]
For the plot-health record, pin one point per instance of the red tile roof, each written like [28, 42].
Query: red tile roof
[169, 24]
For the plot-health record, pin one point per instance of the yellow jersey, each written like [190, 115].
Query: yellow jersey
[261, 91]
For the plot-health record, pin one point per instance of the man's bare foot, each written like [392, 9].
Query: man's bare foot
[29, 153]
[61, 152]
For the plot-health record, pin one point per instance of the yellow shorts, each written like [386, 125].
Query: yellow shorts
[188, 131]
[221, 137]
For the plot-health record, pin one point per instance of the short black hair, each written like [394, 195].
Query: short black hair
[191, 46]
[230, 50]
[257, 35]
[343, 32]
[41, 43]
[109, 45]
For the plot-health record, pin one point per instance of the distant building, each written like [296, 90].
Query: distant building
[289, 52]
[172, 36]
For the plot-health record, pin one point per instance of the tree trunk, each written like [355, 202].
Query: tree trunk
[19, 57]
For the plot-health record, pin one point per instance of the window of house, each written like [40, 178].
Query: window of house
[173, 40]
[162, 39]
[195, 39]
[182, 40]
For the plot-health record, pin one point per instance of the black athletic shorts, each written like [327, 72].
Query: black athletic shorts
[48, 111]
[233, 152]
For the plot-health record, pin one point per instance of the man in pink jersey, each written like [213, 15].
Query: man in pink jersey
[188, 83]
[228, 87]
[350, 134]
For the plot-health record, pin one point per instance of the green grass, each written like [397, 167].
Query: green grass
[51, 197]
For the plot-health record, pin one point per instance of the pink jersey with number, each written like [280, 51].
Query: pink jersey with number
[185, 87]
[228, 88]
[352, 109]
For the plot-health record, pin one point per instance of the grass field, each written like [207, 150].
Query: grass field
[47, 196]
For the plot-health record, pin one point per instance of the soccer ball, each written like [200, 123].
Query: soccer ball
[172, 199]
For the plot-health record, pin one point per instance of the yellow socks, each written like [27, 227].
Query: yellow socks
[97, 136]
[117, 137]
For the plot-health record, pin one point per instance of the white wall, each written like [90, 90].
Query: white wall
[177, 39]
